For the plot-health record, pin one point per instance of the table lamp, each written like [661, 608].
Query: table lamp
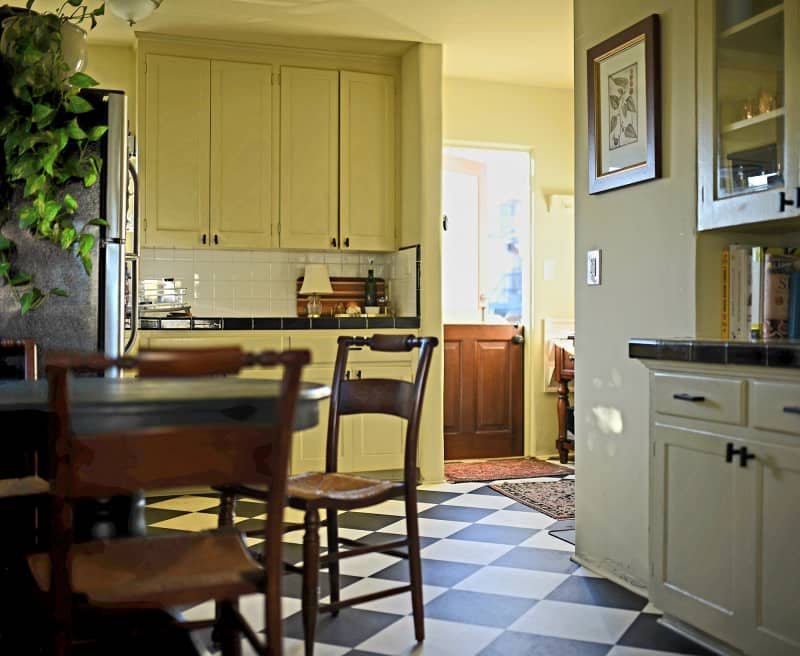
[315, 282]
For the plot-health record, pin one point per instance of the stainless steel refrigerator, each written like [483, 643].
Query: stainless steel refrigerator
[92, 317]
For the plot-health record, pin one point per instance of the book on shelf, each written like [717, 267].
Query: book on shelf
[794, 304]
[779, 263]
[736, 291]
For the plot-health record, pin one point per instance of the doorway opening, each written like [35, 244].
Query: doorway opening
[486, 299]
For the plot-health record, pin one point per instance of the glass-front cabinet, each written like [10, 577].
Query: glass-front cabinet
[748, 111]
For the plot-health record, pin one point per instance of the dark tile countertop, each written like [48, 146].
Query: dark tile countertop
[278, 323]
[778, 353]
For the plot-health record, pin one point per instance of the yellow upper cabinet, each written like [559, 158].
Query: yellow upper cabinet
[210, 174]
[367, 161]
[309, 160]
[176, 151]
[748, 112]
[337, 160]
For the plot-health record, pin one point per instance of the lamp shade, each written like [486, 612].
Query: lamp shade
[133, 10]
[316, 280]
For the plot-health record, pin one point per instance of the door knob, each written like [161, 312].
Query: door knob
[517, 339]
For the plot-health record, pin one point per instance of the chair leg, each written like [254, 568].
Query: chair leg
[229, 640]
[415, 567]
[310, 601]
[225, 517]
[333, 551]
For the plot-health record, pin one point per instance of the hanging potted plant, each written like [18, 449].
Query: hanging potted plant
[46, 137]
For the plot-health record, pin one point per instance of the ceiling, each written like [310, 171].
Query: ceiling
[514, 41]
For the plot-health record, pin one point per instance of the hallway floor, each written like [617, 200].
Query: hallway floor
[495, 583]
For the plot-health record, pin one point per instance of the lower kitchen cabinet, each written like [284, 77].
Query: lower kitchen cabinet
[724, 499]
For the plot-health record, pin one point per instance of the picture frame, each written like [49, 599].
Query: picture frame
[624, 103]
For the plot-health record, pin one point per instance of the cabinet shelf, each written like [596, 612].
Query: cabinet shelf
[751, 22]
[748, 122]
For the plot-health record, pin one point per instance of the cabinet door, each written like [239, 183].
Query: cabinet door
[367, 160]
[309, 198]
[695, 524]
[376, 442]
[243, 187]
[769, 568]
[176, 151]
[748, 111]
[308, 446]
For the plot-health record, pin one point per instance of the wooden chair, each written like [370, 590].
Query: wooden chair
[166, 571]
[333, 491]
[24, 347]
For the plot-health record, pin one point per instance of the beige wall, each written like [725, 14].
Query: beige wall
[114, 67]
[646, 233]
[539, 119]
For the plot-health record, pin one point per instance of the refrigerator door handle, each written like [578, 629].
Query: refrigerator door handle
[135, 177]
[134, 290]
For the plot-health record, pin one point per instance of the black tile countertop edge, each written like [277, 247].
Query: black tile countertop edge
[278, 323]
[783, 353]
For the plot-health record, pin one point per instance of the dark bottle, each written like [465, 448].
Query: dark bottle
[370, 290]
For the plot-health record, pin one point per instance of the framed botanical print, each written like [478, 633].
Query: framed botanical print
[624, 108]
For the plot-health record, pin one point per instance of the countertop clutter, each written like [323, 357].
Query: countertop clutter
[277, 323]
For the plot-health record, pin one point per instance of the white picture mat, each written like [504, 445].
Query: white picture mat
[635, 153]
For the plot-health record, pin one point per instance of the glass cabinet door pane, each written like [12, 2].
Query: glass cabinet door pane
[750, 135]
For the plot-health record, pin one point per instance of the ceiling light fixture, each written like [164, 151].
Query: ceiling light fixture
[133, 10]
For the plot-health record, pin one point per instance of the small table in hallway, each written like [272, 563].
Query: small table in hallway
[564, 373]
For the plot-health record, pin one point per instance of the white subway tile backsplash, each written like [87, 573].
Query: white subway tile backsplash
[263, 283]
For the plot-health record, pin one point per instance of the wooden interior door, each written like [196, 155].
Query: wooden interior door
[483, 391]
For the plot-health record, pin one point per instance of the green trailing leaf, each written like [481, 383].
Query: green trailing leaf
[70, 203]
[31, 300]
[61, 137]
[85, 244]
[4, 268]
[95, 133]
[67, 237]
[40, 112]
[34, 185]
[5, 244]
[87, 264]
[74, 130]
[57, 291]
[97, 222]
[20, 279]
[28, 217]
[82, 81]
[78, 105]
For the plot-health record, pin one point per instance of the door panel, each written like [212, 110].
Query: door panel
[483, 391]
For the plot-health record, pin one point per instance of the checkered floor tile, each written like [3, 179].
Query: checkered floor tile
[495, 583]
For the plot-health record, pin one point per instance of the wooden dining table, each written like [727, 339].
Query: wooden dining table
[102, 405]
[114, 404]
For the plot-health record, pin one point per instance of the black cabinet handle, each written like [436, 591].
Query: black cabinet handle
[347, 242]
[333, 242]
[204, 238]
[358, 374]
[216, 239]
[744, 456]
[784, 202]
[792, 409]
[444, 222]
[694, 398]
[730, 452]
[347, 375]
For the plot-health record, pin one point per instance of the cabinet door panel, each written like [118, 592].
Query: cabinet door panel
[243, 188]
[694, 529]
[367, 161]
[377, 441]
[308, 446]
[770, 561]
[309, 158]
[176, 151]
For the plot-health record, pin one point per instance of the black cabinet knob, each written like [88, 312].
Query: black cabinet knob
[333, 242]
[216, 239]
[347, 242]
[204, 238]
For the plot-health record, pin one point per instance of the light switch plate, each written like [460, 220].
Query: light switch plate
[593, 267]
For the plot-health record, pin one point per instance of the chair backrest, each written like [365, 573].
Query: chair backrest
[21, 347]
[389, 396]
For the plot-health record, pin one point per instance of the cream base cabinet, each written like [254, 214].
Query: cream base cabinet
[724, 499]
[210, 169]
[337, 163]
[176, 151]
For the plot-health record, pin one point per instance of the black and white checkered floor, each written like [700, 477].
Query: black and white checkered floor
[495, 583]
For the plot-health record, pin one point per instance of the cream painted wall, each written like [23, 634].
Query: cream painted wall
[539, 119]
[646, 233]
[114, 67]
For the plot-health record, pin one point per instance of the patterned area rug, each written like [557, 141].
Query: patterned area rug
[555, 499]
[494, 470]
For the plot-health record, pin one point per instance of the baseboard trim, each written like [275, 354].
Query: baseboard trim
[611, 576]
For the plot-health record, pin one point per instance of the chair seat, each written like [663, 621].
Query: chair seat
[158, 572]
[23, 487]
[342, 491]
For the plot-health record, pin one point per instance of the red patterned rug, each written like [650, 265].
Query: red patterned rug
[555, 499]
[493, 470]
